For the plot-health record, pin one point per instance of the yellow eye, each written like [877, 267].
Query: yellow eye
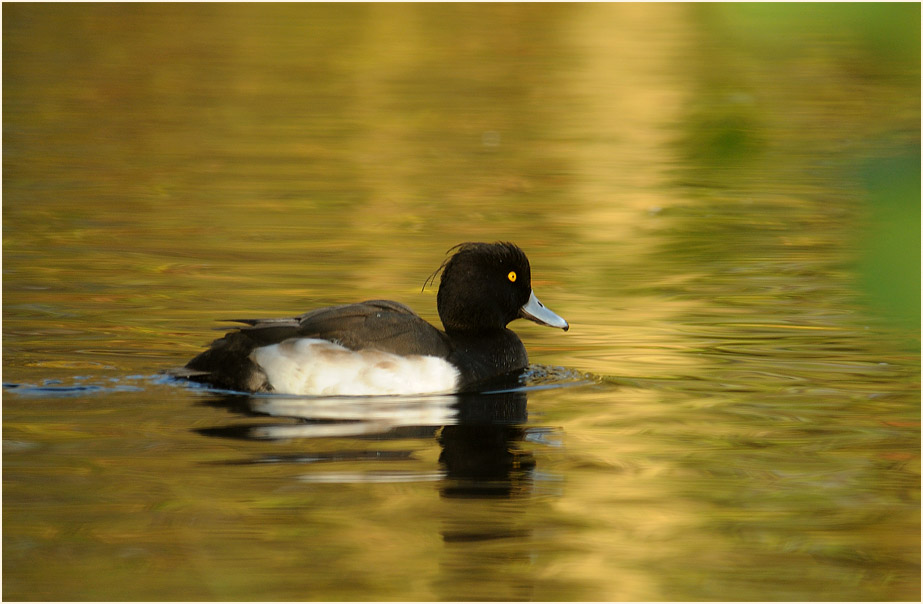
[512, 276]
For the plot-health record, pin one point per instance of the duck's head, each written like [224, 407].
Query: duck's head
[484, 286]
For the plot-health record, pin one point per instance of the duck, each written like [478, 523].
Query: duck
[383, 347]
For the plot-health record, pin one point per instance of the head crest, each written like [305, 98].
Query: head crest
[469, 246]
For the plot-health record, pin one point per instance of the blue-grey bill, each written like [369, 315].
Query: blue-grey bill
[536, 311]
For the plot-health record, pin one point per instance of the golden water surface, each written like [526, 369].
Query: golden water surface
[722, 200]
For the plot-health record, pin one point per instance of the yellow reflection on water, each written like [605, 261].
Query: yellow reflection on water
[684, 186]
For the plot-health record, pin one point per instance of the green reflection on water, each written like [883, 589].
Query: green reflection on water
[686, 180]
[890, 265]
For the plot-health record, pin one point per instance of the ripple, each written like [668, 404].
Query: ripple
[544, 377]
[80, 386]
[371, 477]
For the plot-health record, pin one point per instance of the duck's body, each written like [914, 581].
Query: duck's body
[384, 347]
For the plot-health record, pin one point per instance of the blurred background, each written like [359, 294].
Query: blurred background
[722, 199]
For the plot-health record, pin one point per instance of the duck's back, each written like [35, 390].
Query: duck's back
[317, 352]
[382, 325]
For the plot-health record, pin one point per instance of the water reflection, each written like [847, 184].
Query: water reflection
[690, 180]
[481, 452]
[479, 435]
[340, 416]
[485, 445]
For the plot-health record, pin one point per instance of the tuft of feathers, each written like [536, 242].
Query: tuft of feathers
[492, 249]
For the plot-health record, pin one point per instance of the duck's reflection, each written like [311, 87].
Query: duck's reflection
[480, 436]
[481, 451]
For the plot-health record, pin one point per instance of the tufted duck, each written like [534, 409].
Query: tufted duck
[383, 347]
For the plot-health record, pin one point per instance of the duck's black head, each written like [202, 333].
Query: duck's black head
[484, 286]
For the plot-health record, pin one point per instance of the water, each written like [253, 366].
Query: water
[727, 218]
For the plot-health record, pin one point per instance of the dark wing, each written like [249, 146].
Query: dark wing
[379, 324]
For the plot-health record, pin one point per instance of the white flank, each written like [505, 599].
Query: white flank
[319, 367]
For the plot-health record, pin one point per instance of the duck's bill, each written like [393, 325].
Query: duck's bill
[536, 311]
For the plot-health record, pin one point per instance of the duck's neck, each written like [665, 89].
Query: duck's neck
[489, 353]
